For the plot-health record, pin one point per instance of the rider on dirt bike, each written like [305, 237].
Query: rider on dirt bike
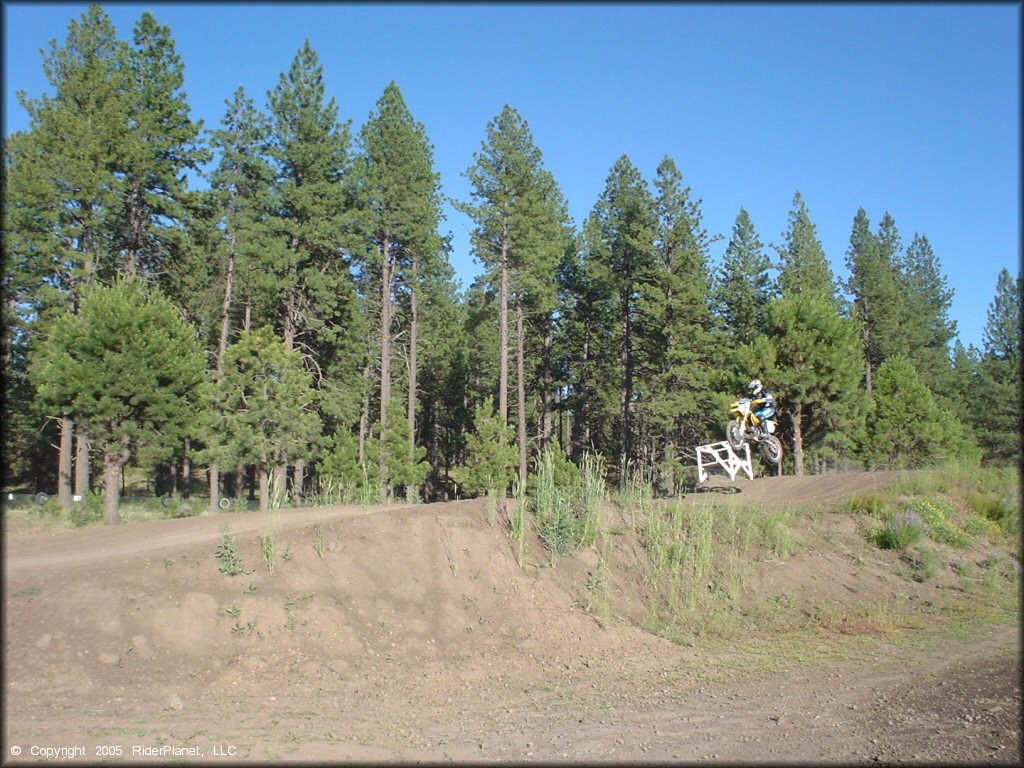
[763, 400]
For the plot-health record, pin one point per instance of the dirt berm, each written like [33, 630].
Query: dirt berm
[418, 637]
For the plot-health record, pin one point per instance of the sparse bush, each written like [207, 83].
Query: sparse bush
[775, 531]
[923, 562]
[229, 562]
[319, 541]
[87, 511]
[984, 505]
[51, 510]
[594, 493]
[597, 590]
[1000, 511]
[268, 539]
[935, 515]
[567, 510]
[902, 530]
[963, 568]
[981, 526]
[871, 503]
[491, 452]
[517, 520]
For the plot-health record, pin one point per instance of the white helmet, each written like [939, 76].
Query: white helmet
[755, 387]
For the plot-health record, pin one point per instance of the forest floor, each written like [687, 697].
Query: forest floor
[418, 637]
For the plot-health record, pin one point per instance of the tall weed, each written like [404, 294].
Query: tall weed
[268, 539]
[518, 520]
[594, 495]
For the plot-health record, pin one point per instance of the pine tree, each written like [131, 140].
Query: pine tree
[127, 366]
[804, 270]
[405, 469]
[1002, 334]
[587, 333]
[818, 359]
[676, 323]
[238, 235]
[315, 217]
[62, 193]
[925, 328]
[542, 233]
[400, 205]
[520, 236]
[262, 402]
[500, 176]
[744, 286]
[443, 385]
[622, 246]
[907, 428]
[996, 412]
[491, 454]
[873, 285]
[160, 146]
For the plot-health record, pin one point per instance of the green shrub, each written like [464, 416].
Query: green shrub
[593, 494]
[1000, 511]
[901, 531]
[51, 510]
[871, 503]
[229, 562]
[981, 526]
[87, 511]
[923, 561]
[936, 518]
[963, 568]
[984, 505]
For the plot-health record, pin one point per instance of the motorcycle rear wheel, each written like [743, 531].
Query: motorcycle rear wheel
[772, 449]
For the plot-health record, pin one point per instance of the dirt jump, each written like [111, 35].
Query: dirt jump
[410, 633]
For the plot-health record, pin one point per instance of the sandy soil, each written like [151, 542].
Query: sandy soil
[417, 637]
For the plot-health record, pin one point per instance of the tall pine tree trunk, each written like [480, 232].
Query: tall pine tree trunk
[67, 428]
[413, 372]
[290, 331]
[281, 474]
[114, 461]
[503, 333]
[626, 391]
[546, 424]
[81, 462]
[385, 358]
[186, 470]
[521, 391]
[264, 486]
[798, 440]
[136, 228]
[297, 480]
[214, 477]
[581, 421]
[222, 345]
[111, 488]
[866, 336]
[364, 415]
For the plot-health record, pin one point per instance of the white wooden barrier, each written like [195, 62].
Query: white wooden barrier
[723, 455]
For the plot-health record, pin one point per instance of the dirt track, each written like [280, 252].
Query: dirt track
[418, 638]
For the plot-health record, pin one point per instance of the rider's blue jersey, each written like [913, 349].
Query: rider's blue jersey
[766, 409]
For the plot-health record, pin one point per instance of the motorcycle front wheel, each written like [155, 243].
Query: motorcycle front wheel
[734, 434]
[772, 450]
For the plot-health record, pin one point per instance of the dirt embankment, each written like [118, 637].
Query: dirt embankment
[417, 636]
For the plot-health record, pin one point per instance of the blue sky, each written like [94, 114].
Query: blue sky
[910, 109]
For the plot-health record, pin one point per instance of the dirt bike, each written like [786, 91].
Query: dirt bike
[747, 428]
